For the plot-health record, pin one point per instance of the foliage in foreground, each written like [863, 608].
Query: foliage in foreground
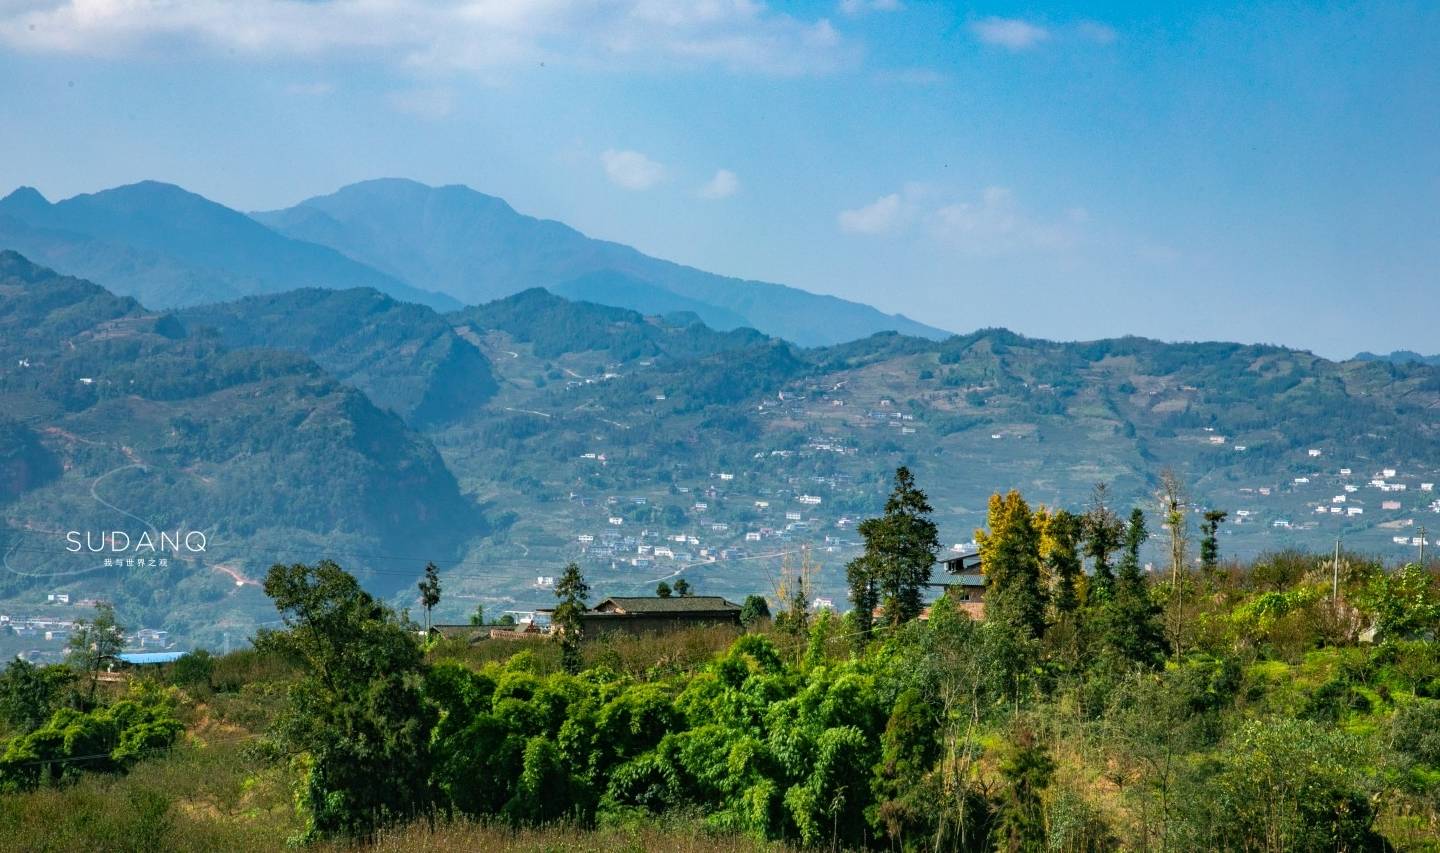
[1227, 709]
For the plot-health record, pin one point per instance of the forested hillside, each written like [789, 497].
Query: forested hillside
[1288, 704]
[677, 429]
[404, 356]
[117, 418]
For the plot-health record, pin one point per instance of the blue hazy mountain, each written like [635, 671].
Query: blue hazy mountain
[608, 287]
[475, 248]
[168, 247]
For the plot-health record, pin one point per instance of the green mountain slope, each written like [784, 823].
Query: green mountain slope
[404, 356]
[120, 419]
[168, 247]
[476, 247]
[683, 431]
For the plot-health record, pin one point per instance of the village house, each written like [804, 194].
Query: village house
[966, 588]
[653, 614]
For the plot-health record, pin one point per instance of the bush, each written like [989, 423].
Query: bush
[1285, 785]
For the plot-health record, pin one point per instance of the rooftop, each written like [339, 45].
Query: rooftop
[656, 604]
[961, 580]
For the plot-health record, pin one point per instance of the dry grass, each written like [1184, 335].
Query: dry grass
[557, 839]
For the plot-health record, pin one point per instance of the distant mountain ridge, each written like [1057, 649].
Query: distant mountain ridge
[1400, 356]
[476, 248]
[169, 248]
[435, 246]
[574, 424]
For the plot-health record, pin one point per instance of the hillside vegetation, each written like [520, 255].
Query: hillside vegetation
[405, 357]
[117, 418]
[1233, 708]
[596, 409]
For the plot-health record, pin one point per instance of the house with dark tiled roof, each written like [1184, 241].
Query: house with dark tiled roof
[653, 614]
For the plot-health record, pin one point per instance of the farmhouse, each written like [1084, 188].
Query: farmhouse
[646, 614]
[967, 589]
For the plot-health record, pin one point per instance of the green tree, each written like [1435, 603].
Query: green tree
[900, 548]
[1010, 558]
[1102, 531]
[1288, 785]
[1131, 629]
[573, 594]
[193, 669]
[95, 643]
[1404, 605]
[29, 694]
[478, 617]
[1062, 537]
[663, 590]
[860, 574]
[682, 587]
[796, 617]
[754, 608]
[1209, 543]
[902, 781]
[1020, 819]
[429, 592]
[356, 720]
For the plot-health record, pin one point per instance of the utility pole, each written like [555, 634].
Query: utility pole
[1335, 578]
[1422, 547]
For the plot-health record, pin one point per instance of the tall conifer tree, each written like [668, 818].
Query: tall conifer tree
[900, 549]
[1102, 531]
[1132, 630]
[1010, 558]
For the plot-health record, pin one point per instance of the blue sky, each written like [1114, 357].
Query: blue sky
[1254, 172]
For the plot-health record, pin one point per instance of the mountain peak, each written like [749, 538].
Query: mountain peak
[25, 195]
[410, 196]
[24, 201]
[15, 265]
[142, 194]
[476, 248]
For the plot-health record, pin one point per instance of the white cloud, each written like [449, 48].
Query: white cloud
[994, 224]
[990, 225]
[1009, 33]
[853, 8]
[880, 216]
[470, 35]
[631, 170]
[723, 185]
[1094, 31]
[429, 104]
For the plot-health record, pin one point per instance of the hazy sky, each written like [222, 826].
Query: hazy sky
[1256, 172]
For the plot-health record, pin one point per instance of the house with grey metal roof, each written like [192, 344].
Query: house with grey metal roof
[653, 614]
